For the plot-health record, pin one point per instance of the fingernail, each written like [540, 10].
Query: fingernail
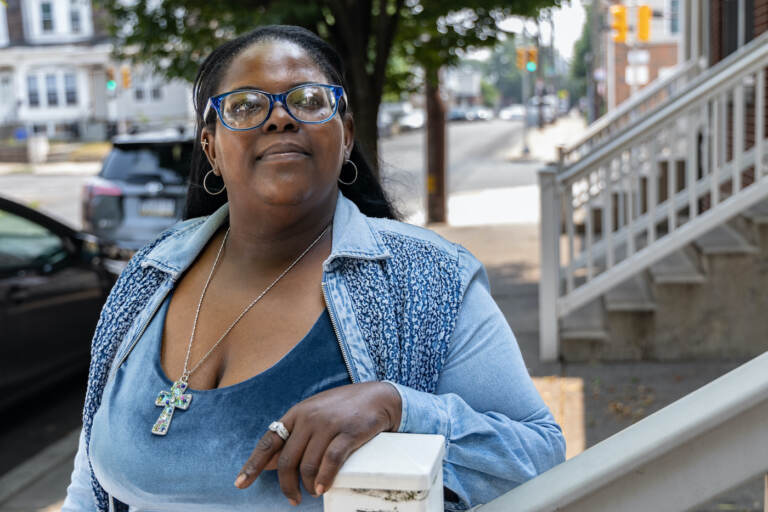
[292, 501]
[240, 480]
[319, 489]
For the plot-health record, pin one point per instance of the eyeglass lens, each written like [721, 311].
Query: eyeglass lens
[246, 109]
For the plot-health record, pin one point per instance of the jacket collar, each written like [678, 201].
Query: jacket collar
[353, 237]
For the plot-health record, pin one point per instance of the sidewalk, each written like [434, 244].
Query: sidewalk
[55, 168]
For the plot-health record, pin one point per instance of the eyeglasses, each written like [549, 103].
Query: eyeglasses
[248, 109]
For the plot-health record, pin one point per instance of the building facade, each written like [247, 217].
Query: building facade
[55, 65]
[633, 64]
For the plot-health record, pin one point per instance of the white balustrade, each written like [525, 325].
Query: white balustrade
[391, 473]
[625, 229]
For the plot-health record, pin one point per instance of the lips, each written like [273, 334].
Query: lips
[283, 149]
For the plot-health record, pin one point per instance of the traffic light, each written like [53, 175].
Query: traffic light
[125, 73]
[644, 14]
[619, 23]
[111, 84]
[533, 59]
[521, 54]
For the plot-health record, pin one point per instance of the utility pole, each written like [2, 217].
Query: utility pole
[538, 82]
[524, 71]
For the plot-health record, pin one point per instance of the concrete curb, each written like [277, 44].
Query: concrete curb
[30, 471]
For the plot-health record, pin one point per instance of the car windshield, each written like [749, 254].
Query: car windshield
[140, 163]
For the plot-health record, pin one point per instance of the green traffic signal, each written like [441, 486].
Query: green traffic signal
[111, 85]
[531, 66]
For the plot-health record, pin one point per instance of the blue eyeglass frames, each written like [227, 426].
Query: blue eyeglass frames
[248, 109]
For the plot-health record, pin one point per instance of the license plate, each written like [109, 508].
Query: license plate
[157, 207]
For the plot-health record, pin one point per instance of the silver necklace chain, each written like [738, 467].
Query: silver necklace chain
[187, 373]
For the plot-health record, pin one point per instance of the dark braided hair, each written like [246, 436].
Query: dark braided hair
[366, 192]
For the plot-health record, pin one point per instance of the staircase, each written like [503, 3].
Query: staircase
[654, 228]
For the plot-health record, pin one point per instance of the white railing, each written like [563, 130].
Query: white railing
[706, 443]
[655, 187]
[696, 448]
[391, 472]
[629, 111]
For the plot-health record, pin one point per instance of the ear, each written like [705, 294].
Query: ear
[209, 149]
[349, 134]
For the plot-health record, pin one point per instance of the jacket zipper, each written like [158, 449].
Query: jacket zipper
[336, 331]
[140, 334]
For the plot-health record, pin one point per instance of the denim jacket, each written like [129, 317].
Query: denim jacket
[408, 307]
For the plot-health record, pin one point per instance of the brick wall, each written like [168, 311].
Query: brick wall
[661, 56]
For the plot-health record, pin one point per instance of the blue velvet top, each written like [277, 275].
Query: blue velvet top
[194, 466]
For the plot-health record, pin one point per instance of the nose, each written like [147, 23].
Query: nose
[279, 120]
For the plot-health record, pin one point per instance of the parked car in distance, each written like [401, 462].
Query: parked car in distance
[479, 113]
[515, 112]
[141, 189]
[457, 114]
[53, 284]
[413, 120]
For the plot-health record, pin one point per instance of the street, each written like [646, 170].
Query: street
[478, 159]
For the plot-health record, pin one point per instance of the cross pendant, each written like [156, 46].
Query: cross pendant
[169, 401]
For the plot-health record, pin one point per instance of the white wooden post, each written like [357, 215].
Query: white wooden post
[391, 472]
[549, 281]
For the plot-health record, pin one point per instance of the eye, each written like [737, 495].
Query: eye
[308, 98]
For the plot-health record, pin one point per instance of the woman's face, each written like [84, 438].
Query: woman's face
[283, 162]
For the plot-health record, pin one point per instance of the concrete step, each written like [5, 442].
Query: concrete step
[634, 294]
[680, 267]
[586, 323]
[758, 213]
[725, 240]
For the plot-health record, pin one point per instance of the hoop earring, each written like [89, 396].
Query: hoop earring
[205, 185]
[353, 179]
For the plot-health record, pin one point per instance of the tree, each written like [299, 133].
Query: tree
[176, 35]
[437, 36]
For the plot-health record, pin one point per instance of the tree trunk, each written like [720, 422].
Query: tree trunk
[436, 180]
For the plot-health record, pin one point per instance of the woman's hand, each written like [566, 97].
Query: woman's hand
[325, 429]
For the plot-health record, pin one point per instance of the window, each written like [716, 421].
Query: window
[70, 89]
[157, 92]
[674, 16]
[74, 19]
[139, 93]
[50, 88]
[24, 244]
[33, 94]
[46, 11]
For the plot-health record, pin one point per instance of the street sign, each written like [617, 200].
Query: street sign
[636, 75]
[638, 57]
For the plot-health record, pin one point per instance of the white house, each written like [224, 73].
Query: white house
[54, 69]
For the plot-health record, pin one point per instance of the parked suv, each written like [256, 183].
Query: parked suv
[141, 189]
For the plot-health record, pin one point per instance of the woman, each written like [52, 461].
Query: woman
[291, 318]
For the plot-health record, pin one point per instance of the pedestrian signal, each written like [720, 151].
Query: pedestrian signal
[521, 58]
[644, 14]
[619, 23]
[111, 84]
[533, 59]
[125, 73]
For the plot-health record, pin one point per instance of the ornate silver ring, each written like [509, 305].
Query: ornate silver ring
[278, 428]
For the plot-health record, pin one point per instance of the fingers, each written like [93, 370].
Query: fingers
[335, 455]
[266, 449]
[288, 463]
[313, 456]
